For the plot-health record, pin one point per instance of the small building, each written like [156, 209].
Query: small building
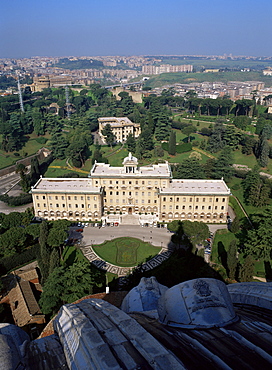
[22, 288]
[121, 128]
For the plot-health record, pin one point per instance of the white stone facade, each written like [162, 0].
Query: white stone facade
[147, 190]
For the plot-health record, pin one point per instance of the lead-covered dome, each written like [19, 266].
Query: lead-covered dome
[198, 303]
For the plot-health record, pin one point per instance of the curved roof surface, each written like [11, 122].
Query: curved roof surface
[93, 334]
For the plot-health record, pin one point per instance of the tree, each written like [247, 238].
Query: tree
[190, 168]
[195, 231]
[12, 241]
[259, 239]
[242, 122]
[162, 129]
[243, 106]
[51, 297]
[131, 143]
[247, 270]
[262, 151]
[223, 165]
[54, 260]
[78, 149]
[108, 134]
[256, 191]
[188, 130]
[35, 170]
[58, 145]
[22, 170]
[66, 285]
[45, 251]
[235, 225]
[232, 259]
[248, 144]
[172, 143]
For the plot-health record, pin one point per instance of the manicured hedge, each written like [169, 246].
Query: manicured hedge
[10, 263]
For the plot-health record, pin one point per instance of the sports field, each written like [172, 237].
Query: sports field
[125, 252]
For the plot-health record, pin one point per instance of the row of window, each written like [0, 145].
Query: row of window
[130, 193]
[191, 199]
[57, 205]
[62, 197]
[190, 207]
[124, 201]
[125, 182]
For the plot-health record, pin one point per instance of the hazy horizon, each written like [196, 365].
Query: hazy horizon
[153, 27]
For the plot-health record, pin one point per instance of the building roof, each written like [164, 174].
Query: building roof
[93, 334]
[155, 170]
[24, 307]
[117, 121]
[67, 185]
[201, 187]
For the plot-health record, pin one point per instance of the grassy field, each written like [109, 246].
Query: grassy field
[31, 147]
[248, 160]
[125, 252]
[220, 245]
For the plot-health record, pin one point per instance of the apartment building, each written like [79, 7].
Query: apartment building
[130, 189]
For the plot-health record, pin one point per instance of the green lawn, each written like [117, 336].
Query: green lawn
[220, 245]
[125, 252]
[31, 147]
[248, 160]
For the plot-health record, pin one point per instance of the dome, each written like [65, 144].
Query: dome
[130, 160]
[198, 303]
[144, 297]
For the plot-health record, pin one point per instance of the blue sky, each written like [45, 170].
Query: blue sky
[135, 27]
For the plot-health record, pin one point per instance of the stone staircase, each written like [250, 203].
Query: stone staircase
[130, 219]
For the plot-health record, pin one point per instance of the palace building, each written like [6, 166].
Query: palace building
[131, 190]
[121, 128]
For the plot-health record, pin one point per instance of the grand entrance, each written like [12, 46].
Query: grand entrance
[130, 211]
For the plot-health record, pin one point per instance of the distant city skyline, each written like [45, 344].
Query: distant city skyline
[150, 27]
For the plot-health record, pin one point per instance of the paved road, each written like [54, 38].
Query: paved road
[8, 181]
[155, 236]
[4, 208]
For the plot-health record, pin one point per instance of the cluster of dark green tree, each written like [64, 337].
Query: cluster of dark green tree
[189, 233]
[237, 268]
[63, 282]
[17, 233]
[192, 168]
[252, 244]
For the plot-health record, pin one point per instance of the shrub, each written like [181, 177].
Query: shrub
[16, 154]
